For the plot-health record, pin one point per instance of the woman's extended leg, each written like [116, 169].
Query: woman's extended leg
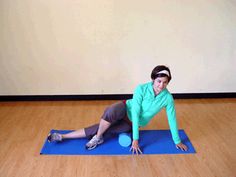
[59, 137]
[75, 134]
[82, 133]
[103, 126]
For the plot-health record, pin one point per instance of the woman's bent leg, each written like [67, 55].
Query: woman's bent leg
[112, 115]
[103, 126]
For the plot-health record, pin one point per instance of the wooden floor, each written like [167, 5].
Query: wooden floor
[209, 123]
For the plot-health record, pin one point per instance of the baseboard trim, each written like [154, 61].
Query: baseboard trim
[108, 97]
[204, 95]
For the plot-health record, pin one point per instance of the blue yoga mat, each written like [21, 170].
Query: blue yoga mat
[151, 142]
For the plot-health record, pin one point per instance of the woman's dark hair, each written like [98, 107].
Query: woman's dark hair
[155, 72]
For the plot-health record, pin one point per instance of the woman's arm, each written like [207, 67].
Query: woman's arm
[135, 113]
[171, 115]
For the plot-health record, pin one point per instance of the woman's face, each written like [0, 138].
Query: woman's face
[160, 83]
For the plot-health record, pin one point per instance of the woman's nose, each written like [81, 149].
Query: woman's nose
[161, 85]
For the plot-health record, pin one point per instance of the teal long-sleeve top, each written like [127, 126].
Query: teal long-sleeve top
[145, 105]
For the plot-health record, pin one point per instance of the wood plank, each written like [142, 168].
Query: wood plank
[209, 123]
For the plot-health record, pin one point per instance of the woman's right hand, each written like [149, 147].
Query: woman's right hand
[135, 147]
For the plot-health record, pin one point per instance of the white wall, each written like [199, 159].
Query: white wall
[108, 47]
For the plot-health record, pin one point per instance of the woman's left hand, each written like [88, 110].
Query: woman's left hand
[182, 146]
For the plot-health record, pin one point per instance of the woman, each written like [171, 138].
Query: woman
[148, 99]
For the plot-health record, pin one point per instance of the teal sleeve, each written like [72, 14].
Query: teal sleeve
[135, 111]
[171, 114]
